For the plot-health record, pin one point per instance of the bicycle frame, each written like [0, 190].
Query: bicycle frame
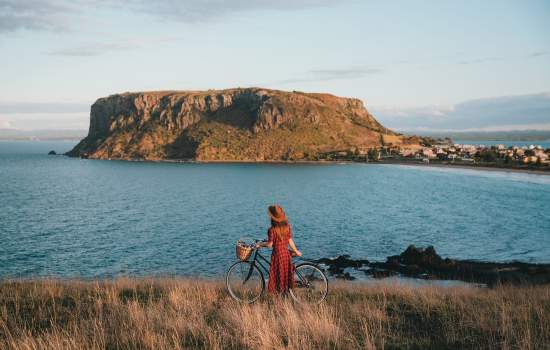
[304, 278]
[261, 266]
[265, 270]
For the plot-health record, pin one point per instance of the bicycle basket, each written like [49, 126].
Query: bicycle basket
[243, 251]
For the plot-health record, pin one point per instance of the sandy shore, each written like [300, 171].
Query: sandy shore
[472, 167]
[332, 162]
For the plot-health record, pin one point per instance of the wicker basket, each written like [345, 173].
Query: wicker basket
[243, 251]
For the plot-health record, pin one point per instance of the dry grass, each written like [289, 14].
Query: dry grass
[190, 314]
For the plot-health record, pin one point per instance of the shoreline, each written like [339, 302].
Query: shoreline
[484, 167]
[472, 167]
[414, 266]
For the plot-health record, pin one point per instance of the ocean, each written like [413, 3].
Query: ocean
[67, 217]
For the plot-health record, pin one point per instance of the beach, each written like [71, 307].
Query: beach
[472, 167]
[484, 167]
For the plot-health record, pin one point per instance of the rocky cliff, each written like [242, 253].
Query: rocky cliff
[249, 124]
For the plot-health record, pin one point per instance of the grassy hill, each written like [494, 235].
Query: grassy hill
[194, 314]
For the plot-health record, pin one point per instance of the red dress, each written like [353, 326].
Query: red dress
[281, 271]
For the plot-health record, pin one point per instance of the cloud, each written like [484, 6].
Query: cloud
[48, 121]
[508, 112]
[92, 49]
[5, 124]
[539, 53]
[482, 60]
[47, 115]
[200, 10]
[33, 15]
[333, 74]
[100, 48]
[37, 107]
[502, 58]
[328, 75]
[53, 15]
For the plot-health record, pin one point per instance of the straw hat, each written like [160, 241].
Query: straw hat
[276, 213]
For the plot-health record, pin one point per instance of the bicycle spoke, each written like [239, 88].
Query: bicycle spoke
[244, 282]
[311, 285]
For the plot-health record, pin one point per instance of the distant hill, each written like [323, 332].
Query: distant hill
[15, 134]
[249, 124]
[518, 135]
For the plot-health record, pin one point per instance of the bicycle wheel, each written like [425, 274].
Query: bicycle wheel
[311, 284]
[244, 282]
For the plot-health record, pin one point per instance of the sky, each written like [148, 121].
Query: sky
[417, 65]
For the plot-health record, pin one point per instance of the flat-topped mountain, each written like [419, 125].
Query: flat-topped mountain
[248, 124]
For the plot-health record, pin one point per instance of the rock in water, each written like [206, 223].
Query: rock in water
[420, 256]
[52, 153]
[250, 124]
[426, 263]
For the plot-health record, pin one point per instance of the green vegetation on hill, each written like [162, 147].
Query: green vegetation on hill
[250, 124]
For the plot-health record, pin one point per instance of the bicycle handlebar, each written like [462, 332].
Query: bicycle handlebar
[256, 241]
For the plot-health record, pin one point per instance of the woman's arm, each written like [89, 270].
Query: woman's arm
[293, 247]
[266, 244]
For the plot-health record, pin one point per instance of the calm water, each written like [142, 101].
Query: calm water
[84, 218]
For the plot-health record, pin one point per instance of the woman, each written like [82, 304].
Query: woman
[281, 271]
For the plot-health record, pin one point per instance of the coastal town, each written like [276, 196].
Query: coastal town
[445, 151]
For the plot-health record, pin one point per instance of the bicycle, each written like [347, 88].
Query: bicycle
[245, 279]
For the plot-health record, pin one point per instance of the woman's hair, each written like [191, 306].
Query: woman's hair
[279, 224]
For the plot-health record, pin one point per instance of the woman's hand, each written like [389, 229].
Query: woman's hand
[295, 253]
[295, 250]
